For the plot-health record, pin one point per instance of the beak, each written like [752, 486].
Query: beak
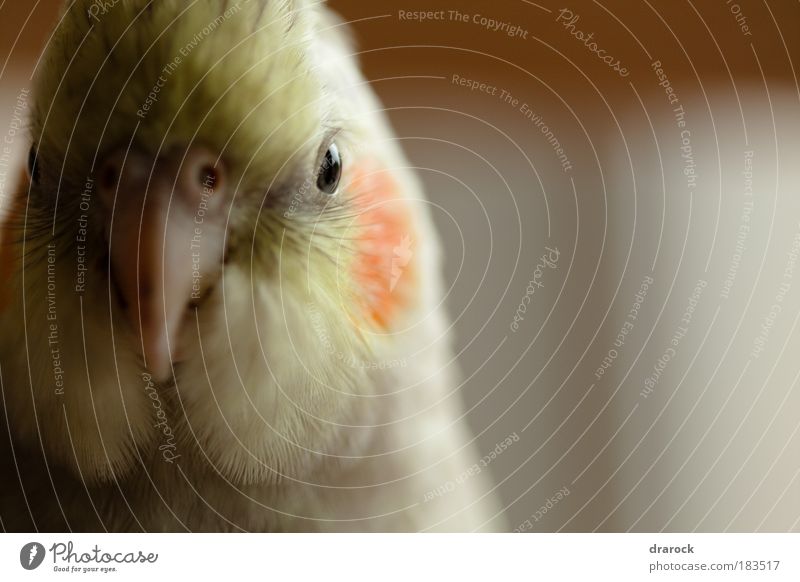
[166, 235]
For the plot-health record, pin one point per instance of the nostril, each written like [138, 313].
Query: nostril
[209, 176]
[125, 171]
[202, 177]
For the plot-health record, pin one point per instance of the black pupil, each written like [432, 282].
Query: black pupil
[331, 171]
[33, 166]
[209, 177]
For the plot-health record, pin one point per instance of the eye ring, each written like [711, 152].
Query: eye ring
[33, 164]
[330, 171]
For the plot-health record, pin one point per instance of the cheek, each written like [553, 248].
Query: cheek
[384, 269]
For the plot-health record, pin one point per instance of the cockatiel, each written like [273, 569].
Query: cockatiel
[221, 307]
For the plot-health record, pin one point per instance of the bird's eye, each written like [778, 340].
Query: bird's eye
[330, 172]
[33, 165]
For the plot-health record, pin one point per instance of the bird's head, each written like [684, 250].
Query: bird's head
[186, 137]
[215, 169]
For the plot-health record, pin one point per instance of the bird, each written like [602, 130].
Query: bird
[223, 290]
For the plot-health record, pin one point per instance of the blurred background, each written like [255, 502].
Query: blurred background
[617, 185]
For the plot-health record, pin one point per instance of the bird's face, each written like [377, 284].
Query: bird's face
[188, 139]
[205, 168]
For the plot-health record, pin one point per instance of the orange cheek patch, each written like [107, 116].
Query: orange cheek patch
[384, 269]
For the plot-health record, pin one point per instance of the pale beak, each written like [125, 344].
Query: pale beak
[167, 242]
